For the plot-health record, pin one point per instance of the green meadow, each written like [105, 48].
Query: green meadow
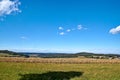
[52, 71]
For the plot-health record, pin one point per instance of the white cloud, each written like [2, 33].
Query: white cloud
[61, 33]
[7, 7]
[79, 27]
[68, 30]
[60, 28]
[115, 30]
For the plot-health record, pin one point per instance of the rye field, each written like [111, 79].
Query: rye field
[59, 69]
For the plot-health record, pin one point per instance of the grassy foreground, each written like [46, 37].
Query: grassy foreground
[52, 71]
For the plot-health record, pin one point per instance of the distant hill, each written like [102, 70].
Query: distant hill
[94, 55]
[69, 55]
[49, 55]
[6, 53]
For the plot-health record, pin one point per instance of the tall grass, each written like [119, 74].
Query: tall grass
[24, 71]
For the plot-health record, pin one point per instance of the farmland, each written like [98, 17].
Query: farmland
[58, 69]
[60, 60]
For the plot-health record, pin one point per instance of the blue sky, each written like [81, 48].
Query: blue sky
[60, 25]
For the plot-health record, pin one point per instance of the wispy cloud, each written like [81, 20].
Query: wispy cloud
[23, 37]
[68, 30]
[79, 27]
[60, 28]
[9, 6]
[115, 30]
[62, 33]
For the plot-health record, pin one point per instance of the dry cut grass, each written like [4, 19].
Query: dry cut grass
[59, 60]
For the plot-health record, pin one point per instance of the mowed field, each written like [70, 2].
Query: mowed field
[59, 69]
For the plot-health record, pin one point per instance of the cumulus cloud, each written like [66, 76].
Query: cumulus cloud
[115, 30]
[9, 6]
[60, 28]
[61, 33]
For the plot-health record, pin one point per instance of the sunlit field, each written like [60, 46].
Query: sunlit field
[58, 71]
[59, 39]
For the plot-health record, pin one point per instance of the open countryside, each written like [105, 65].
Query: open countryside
[17, 67]
[59, 39]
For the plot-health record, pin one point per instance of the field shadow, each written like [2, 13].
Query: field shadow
[53, 75]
